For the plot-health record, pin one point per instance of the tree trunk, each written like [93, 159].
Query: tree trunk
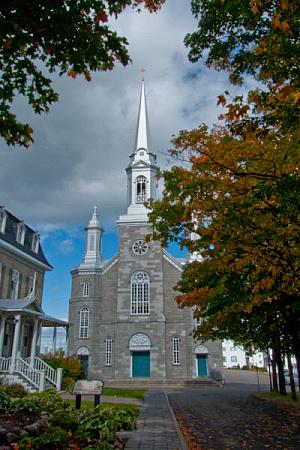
[280, 365]
[274, 371]
[291, 372]
[296, 350]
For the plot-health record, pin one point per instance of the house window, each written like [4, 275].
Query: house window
[140, 293]
[199, 321]
[176, 360]
[108, 351]
[85, 289]
[35, 242]
[20, 238]
[84, 323]
[3, 217]
[14, 287]
[29, 287]
[233, 359]
[233, 349]
[141, 189]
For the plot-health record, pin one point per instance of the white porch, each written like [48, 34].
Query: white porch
[20, 335]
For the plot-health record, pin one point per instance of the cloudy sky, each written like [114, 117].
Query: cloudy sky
[82, 146]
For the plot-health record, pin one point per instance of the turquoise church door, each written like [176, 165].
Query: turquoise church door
[202, 365]
[141, 364]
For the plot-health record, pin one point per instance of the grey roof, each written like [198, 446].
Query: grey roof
[32, 307]
[52, 321]
[9, 236]
[19, 304]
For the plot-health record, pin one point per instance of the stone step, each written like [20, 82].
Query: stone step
[146, 383]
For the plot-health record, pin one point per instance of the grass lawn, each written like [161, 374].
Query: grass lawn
[125, 393]
[90, 404]
[281, 400]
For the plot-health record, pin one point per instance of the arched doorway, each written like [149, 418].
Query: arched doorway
[83, 357]
[139, 346]
[201, 353]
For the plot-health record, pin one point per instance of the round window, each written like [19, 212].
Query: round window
[140, 247]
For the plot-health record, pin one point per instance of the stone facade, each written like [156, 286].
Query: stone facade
[124, 319]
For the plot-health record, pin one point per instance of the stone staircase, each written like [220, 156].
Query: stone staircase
[147, 383]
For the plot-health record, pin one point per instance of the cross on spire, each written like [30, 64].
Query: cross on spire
[143, 72]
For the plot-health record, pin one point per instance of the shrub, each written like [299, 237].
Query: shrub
[16, 390]
[26, 406]
[52, 438]
[4, 401]
[49, 400]
[72, 369]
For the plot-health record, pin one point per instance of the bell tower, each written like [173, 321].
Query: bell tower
[142, 169]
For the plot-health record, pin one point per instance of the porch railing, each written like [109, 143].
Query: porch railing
[51, 375]
[20, 366]
[34, 370]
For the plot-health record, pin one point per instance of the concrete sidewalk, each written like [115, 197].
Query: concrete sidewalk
[157, 428]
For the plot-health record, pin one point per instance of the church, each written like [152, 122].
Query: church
[124, 320]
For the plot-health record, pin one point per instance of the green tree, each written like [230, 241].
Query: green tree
[240, 189]
[39, 37]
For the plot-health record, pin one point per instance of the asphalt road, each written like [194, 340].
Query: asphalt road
[231, 418]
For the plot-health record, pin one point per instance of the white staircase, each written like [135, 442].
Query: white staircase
[33, 373]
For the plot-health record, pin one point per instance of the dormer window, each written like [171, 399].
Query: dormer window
[3, 218]
[141, 189]
[21, 230]
[35, 242]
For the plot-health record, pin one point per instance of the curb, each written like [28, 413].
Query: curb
[180, 437]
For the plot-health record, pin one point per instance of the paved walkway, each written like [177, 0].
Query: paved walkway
[157, 428]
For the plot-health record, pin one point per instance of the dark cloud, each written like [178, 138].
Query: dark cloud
[82, 146]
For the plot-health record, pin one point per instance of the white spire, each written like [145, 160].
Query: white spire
[142, 132]
[92, 257]
[142, 170]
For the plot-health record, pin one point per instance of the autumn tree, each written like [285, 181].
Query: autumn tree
[240, 189]
[40, 37]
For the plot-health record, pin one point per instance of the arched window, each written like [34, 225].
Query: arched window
[141, 189]
[140, 303]
[84, 323]
[108, 351]
[176, 355]
[85, 289]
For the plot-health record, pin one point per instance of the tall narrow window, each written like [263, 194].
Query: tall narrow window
[3, 218]
[85, 289]
[20, 237]
[140, 303]
[108, 351]
[29, 285]
[35, 242]
[14, 288]
[141, 189]
[84, 323]
[176, 356]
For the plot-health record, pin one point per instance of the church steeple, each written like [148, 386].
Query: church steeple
[92, 257]
[142, 170]
[142, 131]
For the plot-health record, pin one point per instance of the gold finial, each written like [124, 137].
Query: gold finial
[142, 72]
